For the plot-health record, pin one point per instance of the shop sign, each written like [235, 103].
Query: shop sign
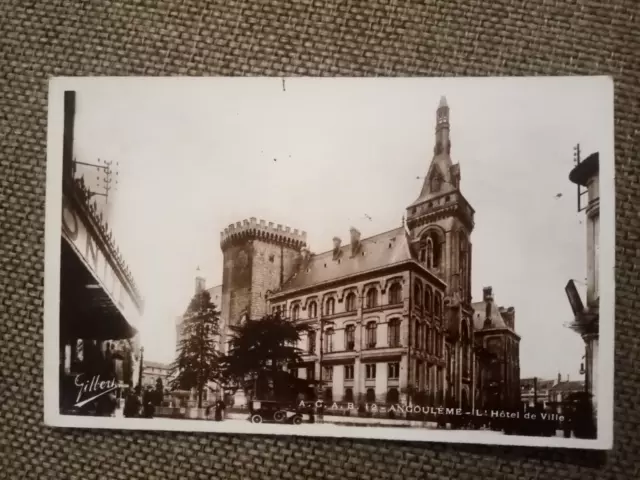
[96, 259]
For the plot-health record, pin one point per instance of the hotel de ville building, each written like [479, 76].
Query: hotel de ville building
[391, 316]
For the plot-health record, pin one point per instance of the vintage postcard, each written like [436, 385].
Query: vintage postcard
[410, 259]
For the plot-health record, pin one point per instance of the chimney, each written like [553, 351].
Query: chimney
[336, 247]
[355, 240]
[487, 294]
[511, 314]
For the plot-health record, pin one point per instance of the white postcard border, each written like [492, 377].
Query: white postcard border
[53, 225]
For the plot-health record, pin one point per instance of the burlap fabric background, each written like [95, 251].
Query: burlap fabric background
[348, 38]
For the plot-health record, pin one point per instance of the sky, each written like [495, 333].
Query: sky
[321, 155]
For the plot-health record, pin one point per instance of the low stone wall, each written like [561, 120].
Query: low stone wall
[192, 413]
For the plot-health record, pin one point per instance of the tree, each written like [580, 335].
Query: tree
[262, 357]
[198, 361]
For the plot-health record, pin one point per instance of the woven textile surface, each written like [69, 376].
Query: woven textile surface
[305, 37]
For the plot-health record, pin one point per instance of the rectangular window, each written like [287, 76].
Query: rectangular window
[348, 372]
[393, 370]
[370, 371]
[311, 373]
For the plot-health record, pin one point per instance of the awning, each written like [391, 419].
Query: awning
[86, 309]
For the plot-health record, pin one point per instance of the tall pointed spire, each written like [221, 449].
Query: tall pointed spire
[443, 143]
[439, 178]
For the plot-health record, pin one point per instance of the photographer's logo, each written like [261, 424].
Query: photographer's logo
[93, 387]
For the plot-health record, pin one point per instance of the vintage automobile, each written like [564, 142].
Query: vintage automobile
[273, 412]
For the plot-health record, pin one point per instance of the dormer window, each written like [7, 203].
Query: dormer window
[435, 183]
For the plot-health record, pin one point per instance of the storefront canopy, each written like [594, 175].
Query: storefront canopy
[87, 311]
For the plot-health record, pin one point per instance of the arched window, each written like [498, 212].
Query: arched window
[350, 304]
[427, 300]
[350, 337]
[393, 396]
[432, 250]
[417, 294]
[330, 306]
[371, 395]
[328, 340]
[328, 395]
[428, 340]
[395, 294]
[372, 298]
[372, 329]
[394, 332]
[313, 310]
[419, 330]
[437, 306]
[311, 341]
[295, 312]
[348, 394]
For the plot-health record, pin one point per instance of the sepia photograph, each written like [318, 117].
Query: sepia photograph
[413, 259]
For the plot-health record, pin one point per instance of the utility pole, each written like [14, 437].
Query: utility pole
[141, 368]
[109, 181]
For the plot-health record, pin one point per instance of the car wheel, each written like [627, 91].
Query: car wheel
[256, 419]
[279, 416]
[297, 420]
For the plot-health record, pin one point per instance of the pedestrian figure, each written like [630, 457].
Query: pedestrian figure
[131, 405]
[321, 412]
[148, 407]
[220, 406]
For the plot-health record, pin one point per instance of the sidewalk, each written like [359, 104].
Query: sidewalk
[369, 422]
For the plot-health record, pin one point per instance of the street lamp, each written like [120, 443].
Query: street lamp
[141, 367]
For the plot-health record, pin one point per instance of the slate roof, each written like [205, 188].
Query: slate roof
[164, 366]
[375, 252]
[570, 386]
[542, 384]
[479, 315]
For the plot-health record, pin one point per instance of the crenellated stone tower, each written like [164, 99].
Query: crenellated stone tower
[258, 257]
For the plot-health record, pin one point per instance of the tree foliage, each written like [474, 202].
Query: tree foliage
[199, 360]
[262, 356]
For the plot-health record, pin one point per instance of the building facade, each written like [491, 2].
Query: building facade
[154, 371]
[586, 316]
[498, 354]
[100, 304]
[213, 391]
[391, 315]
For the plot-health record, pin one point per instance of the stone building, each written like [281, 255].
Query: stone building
[498, 359]
[154, 371]
[100, 303]
[213, 391]
[391, 315]
[534, 390]
[587, 317]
